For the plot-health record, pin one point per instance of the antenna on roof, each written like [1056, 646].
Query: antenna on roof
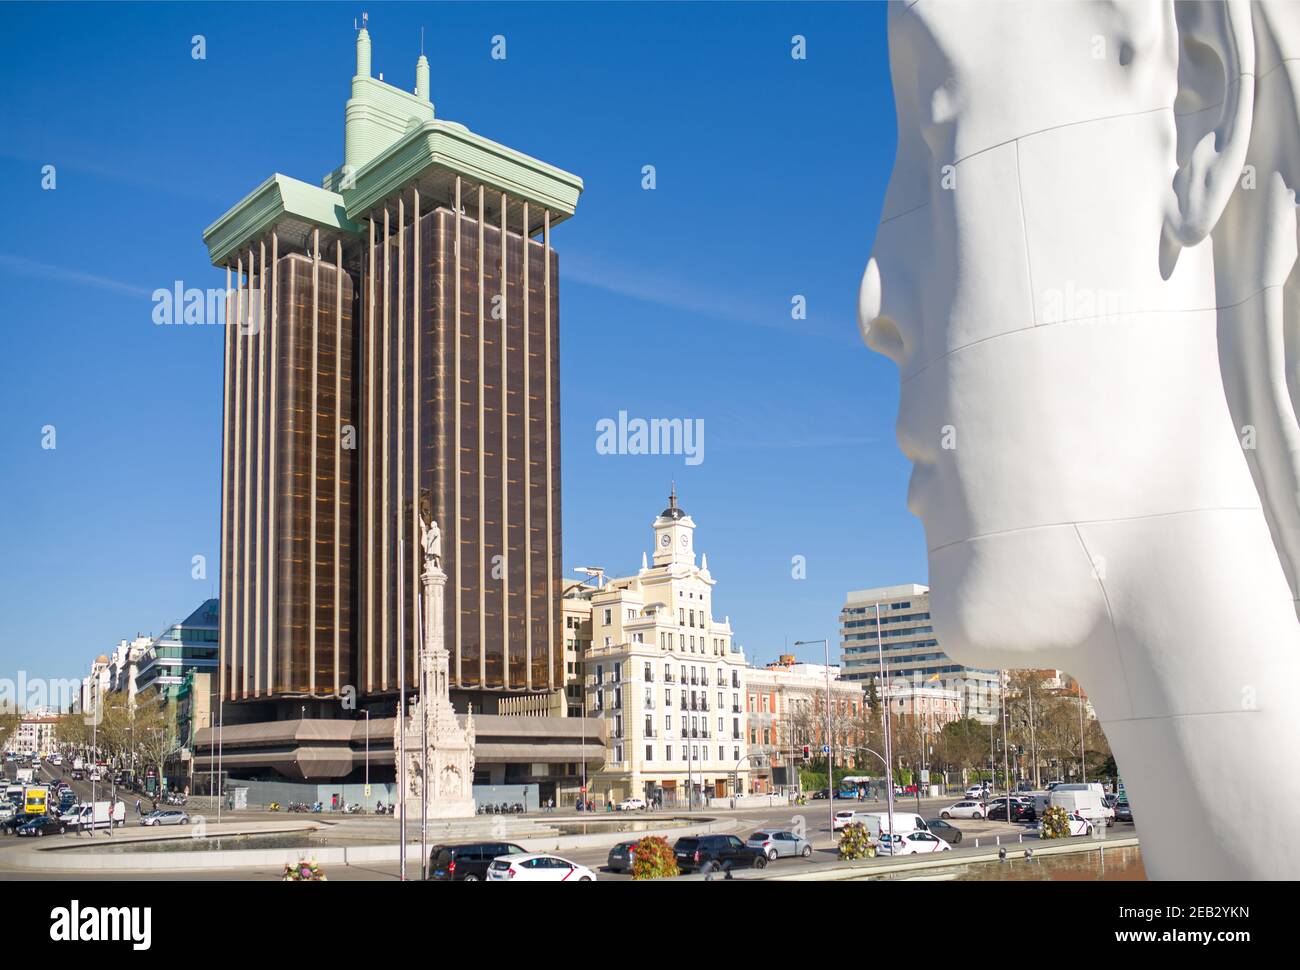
[421, 40]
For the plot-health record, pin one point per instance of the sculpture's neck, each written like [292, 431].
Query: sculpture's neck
[1194, 687]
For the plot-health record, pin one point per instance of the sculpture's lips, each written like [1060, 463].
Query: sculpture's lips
[919, 487]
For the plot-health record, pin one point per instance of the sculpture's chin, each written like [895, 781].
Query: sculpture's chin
[1017, 599]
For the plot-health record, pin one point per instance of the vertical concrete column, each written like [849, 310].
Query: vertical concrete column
[527, 458]
[272, 535]
[338, 455]
[505, 451]
[223, 604]
[482, 528]
[315, 465]
[248, 469]
[371, 436]
[417, 394]
[550, 467]
[384, 523]
[455, 483]
[399, 509]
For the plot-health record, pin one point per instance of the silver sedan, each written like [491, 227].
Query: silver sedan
[168, 817]
[776, 843]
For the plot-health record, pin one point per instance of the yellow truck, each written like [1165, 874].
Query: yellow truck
[36, 799]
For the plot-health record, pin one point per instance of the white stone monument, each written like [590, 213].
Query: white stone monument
[1086, 273]
[449, 755]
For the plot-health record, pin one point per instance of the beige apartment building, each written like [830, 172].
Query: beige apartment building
[666, 677]
[785, 703]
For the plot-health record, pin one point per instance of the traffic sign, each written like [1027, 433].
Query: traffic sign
[826, 749]
[367, 791]
[583, 789]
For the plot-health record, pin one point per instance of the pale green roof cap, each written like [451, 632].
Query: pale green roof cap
[281, 203]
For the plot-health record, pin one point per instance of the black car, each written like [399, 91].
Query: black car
[42, 825]
[822, 793]
[10, 825]
[1123, 811]
[467, 862]
[944, 830]
[621, 856]
[712, 853]
[1020, 811]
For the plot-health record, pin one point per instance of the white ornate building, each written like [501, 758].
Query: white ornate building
[667, 678]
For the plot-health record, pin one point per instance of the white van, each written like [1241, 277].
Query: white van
[904, 822]
[100, 815]
[1083, 801]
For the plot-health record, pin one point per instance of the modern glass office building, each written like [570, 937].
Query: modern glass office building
[184, 648]
[909, 648]
[392, 348]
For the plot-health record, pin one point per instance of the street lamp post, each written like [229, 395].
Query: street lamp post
[597, 573]
[1083, 764]
[1006, 771]
[828, 746]
[889, 752]
[1033, 743]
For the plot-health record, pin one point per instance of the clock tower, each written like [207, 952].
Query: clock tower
[674, 535]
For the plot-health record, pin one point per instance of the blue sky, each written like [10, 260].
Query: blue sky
[674, 302]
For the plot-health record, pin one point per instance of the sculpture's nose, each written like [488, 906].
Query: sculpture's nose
[879, 331]
[868, 299]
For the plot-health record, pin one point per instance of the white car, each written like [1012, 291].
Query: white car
[976, 791]
[1078, 825]
[537, 867]
[910, 843]
[968, 808]
[631, 805]
[842, 820]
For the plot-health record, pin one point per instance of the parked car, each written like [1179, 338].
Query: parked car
[631, 805]
[713, 853]
[42, 825]
[170, 816]
[1078, 825]
[1020, 812]
[469, 861]
[10, 825]
[621, 856]
[964, 809]
[842, 820]
[910, 843]
[776, 843]
[536, 867]
[822, 793]
[977, 791]
[945, 830]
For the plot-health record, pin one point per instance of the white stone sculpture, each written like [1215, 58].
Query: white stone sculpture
[1084, 270]
[432, 729]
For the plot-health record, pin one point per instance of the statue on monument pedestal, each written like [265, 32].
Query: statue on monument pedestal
[434, 737]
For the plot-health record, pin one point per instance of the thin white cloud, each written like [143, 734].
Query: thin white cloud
[61, 274]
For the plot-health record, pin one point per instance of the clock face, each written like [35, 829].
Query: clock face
[665, 540]
[686, 541]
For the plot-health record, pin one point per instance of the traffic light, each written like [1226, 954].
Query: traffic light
[807, 752]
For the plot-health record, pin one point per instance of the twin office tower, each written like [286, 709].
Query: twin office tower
[391, 350]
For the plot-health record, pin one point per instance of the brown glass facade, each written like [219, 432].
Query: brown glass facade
[461, 384]
[288, 477]
[418, 362]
